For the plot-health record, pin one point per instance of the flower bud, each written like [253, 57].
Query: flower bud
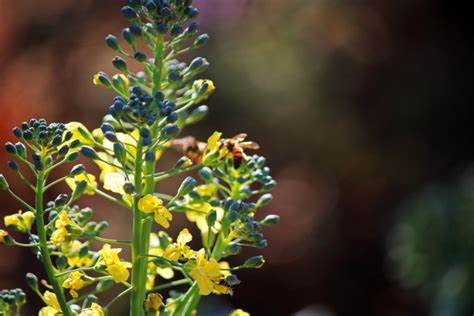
[91, 298]
[76, 170]
[211, 218]
[269, 185]
[111, 136]
[129, 188]
[129, 13]
[120, 82]
[232, 280]
[254, 262]
[112, 42]
[106, 127]
[84, 215]
[262, 243]
[65, 149]
[10, 148]
[128, 37]
[17, 132]
[120, 153]
[186, 186]
[206, 174]
[101, 78]
[32, 281]
[201, 40]
[170, 131]
[79, 189]
[61, 263]
[72, 156]
[61, 200]
[270, 220]
[84, 251]
[183, 162]
[135, 29]
[139, 56]
[264, 200]
[233, 249]
[13, 165]
[104, 285]
[119, 64]
[89, 152]
[20, 149]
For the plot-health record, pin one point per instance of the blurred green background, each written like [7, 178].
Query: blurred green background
[359, 106]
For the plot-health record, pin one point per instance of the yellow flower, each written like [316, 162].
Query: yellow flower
[117, 269]
[91, 183]
[149, 203]
[80, 132]
[74, 282]
[175, 251]
[52, 303]
[109, 254]
[114, 182]
[163, 217]
[20, 221]
[239, 312]
[213, 141]
[3, 234]
[60, 234]
[208, 275]
[152, 204]
[153, 302]
[95, 310]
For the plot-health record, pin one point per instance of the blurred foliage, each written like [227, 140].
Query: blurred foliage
[433, 246]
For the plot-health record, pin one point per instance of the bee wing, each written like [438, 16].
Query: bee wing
[240, 137]
[250, 145]
[181, 144]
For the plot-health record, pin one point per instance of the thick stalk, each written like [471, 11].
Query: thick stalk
[138, 285]
[141, 228]
[43, 244]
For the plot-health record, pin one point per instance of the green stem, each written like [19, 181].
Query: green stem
[43, 241]
[142, 229]
[188, 302]
[138, 283]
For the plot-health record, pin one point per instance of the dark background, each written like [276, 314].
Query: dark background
[358, 105]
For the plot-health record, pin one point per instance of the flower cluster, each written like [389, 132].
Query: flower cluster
[152, 107]
[11, 301]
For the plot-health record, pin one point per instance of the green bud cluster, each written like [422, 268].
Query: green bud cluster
[11, 301]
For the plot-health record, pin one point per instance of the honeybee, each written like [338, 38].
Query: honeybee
[236, 146]
[190, 147]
